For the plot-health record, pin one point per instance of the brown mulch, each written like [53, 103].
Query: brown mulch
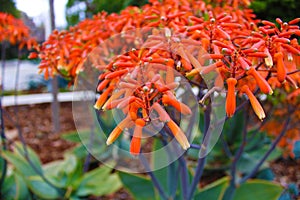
[287, 171]
[36, 127]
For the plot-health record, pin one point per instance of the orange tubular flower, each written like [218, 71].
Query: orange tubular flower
[126, 123]
[230, 99]
[178, 134]
[262, 83]
[163, 115]
[281, 70]
[135, 145]
[103, 97]
[184, 109]
[259, 111]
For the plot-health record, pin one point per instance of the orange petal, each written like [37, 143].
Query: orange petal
[281, 70]
[184, 109]
[259, 111]
[230, 99]
[135, 145]
[178, 134]
[163, 115]
[103, 97]
[262, 83]
[127, 122]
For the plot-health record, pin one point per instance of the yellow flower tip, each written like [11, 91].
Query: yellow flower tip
[257, 108]
[97, 107]
[262, 116]
[114, 135]
[271, 92]
[108, 142]
[179, 135]
[186, 146]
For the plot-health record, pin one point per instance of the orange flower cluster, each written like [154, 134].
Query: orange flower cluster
[15, 32]
[248, 55]
[140, 92]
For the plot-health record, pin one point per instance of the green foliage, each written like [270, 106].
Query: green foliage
[8, 6]
[214, 190]
[141, 188]
[80, 9]
[263, 190]
[253, 189]
[62, 179]
[271, 9]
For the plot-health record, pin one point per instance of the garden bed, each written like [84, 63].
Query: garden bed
[36, 127]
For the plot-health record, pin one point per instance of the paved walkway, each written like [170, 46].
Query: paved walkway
[47, 98]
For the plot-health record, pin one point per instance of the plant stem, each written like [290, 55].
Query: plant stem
[172, 174]
[201, 160]
[225, 146]
[184, 176]
[54, 82]
[153, 177]
[240, 150]
[229, 193]
[271, 149]
[90, 146]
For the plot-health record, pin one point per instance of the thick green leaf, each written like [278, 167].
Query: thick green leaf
[9, 187]
[100, 187]
[74, 136]
[41, 189]
[258, 190]
[22, 191]
[64, 173]
[20, 164]
[99, 182]
[140, 188]
[214, 191]
[31, 154]
[79, 151]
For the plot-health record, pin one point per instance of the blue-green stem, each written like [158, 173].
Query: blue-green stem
[201, 160]
[153, 177]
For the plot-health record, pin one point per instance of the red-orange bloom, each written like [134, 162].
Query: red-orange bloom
[261, 82]
[230, 99]
[103, 97]
[281, 70]
[178, 134]
[126, 123]
[163, 115]
[259, 111]
[135, 145]
[184, 109]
